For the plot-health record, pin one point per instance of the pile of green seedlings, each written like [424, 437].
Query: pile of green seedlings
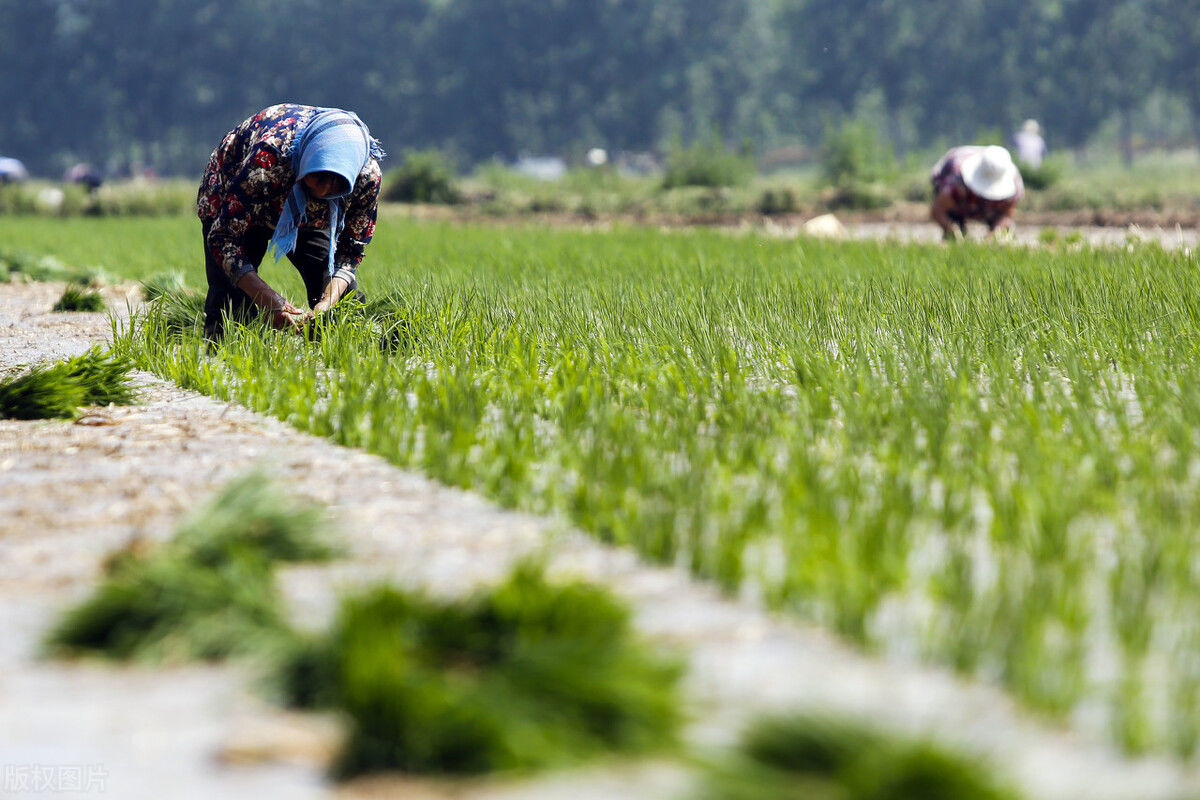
[57, 391]
[805, 757]
[982, 456]
[528, 674]
[209, 592]
[524, 675]
[79, 298]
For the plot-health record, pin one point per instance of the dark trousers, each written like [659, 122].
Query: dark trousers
[310, 258]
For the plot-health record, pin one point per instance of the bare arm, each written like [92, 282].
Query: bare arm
[283, 314]
[334, 290]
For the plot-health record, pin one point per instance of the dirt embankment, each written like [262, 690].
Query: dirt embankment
[904, 221]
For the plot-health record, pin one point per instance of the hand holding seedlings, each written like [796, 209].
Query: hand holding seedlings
[289, 318]
[282, 314]
[334, 290]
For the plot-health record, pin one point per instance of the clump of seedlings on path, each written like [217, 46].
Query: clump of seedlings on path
[807, 757]
[79, 298]
[206, 594]
[57, 391]
[527, 674]
[524, 675]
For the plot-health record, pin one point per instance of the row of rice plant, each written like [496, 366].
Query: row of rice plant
[982, 457]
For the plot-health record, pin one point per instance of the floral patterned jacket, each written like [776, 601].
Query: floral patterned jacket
[964, 204]
[250, 175]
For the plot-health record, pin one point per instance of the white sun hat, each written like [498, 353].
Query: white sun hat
[990, 173]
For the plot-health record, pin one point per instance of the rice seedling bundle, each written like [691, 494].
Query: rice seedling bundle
[820, 758]
[58, 390]
[527, 674]
[208, 593]
[76, 298]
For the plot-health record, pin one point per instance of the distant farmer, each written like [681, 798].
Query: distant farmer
[975, 183]
[1029, 144]
[12, 171]
[303, 181]
[84, 175]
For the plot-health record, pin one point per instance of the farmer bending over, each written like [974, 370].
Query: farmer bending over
[301, 180]
[979, 183]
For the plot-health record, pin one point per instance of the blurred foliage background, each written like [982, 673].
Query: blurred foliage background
[153, 84]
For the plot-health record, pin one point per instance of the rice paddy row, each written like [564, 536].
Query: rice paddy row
[983, 457]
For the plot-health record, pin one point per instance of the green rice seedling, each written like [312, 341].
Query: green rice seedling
[175, 312]
[126, 248]
[208, 594]
[91, 278]
[162, 283]
[104, 376]
[45, 392]
[75, 298]
[526, 675]
[169, 607]
[45, 268]
[38, 268]
[250, 514]
[57, 391]
[837, 759]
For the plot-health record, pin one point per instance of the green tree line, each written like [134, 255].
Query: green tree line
[157, 82]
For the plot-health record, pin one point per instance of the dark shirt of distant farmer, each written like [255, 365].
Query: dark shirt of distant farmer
[975, 183]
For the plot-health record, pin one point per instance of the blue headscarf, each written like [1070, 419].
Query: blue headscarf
[333, 141]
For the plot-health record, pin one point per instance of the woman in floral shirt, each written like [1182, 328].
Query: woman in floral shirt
[302, 180]
[975, 183]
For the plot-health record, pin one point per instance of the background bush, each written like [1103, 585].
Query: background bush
[426, 176]
[706, 163]
[126, 198]
[1042, 176]
[858, 163]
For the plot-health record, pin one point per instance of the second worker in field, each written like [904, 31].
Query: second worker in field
[303, 181]
[975, 183]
